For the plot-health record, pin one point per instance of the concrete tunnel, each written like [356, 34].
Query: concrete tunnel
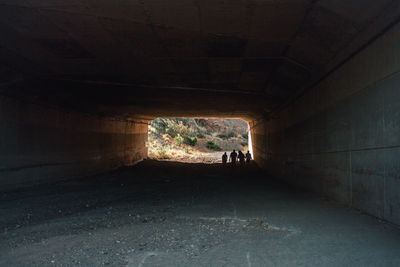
[317, 80]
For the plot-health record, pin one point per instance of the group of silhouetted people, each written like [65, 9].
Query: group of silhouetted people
[237, 157]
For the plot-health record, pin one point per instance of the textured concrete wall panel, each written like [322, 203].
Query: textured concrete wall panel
[368, 180]
[392, 185]
[342, 138]
[40, 144]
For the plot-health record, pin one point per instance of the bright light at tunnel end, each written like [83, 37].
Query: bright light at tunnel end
[198, 139]
[250, 141]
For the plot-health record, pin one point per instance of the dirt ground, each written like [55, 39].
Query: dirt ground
[178, 214]
[198, 157]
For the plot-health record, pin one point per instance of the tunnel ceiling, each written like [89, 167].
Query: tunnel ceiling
[250, 51]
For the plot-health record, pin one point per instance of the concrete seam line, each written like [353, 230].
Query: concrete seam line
[340, 64]
[339, 151]
[56, 108]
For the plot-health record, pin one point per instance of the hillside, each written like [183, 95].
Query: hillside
[199, 140]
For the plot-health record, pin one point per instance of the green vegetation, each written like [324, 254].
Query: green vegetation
[227, 136]
[159, 126]
[200, 135]
[185, 137]
[191, 141]
[162, 154]
[245, 136]
[232, 134]
[212, 146]
[222, 136]
[187, 140]
[173, 129]
[178, 140]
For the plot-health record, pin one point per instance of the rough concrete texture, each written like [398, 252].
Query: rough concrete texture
[89, 66]
[39, 144]
[263, 51]
[175, 214]
[342, 137]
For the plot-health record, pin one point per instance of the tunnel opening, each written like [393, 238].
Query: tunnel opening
[317, 81]
[197, 140]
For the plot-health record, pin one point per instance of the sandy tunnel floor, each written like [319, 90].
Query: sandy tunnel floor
[176, 214]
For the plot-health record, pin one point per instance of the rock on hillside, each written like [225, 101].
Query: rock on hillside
[224, 126]
[212, 126]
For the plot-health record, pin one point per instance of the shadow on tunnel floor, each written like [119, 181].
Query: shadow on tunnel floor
[181, 214]
[150, 181]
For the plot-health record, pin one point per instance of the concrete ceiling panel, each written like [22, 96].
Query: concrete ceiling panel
[253, 80]
[139, 37]
[225, 77]
[291, 76]
[257, 48]
[26, 48]
[30, 23]
[217, 65]
[276, 22]
[251, 87]
[117, 9]
[170, 79]
[294, 72]
[359, 11]
[14, 61]
[328, 29]
[225, 17]
[279, 92]
[323, 34]
[225, 46]
[80, 67]
[182, 44]
[182, 14]
[76, 5]
[131, 10]
[65, 48]
[163, 65]
[195, 79]
[192, 65]
[309, 53]
[258, 64]
[85, 30]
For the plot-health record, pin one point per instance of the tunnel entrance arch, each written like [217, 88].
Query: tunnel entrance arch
[197, 139]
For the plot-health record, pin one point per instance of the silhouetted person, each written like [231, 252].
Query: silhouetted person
[224, 159]
[233, 158]
[241, 158]
[248, 157]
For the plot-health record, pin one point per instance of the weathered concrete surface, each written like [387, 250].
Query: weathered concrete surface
[174, 214]
[41, 144]
[342, 137]
[244, 59]
[259, 51]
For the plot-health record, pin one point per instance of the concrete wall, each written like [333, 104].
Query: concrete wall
[39, 144]
[342, 138]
